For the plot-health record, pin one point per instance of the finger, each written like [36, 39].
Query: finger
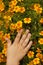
[24, 36]
[8, 42]
[18, 36]
[28, 46]
[26, 40]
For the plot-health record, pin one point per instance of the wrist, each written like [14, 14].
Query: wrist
[12, 62]
[15, 63]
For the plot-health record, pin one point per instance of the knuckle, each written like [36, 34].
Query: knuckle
[27, 30]
[29, 34]
[24, 36]
[25, 42]
[18, 35]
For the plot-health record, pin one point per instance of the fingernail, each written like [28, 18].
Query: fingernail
[21, 30]
[29, 34]
[27, 30]
[31, 41]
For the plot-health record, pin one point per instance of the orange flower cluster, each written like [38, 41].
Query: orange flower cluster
[26, 14]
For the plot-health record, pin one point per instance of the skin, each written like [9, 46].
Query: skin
[19, 48]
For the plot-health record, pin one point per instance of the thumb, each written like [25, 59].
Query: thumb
[8, 42]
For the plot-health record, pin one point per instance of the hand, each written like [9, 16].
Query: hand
[19, 48]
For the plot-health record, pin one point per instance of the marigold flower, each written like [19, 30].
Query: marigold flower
[36, 61]
[13, 3]
[4, 59]
[27, 20]
[30, 63]
[19, 24]
[1, 6]
[7, 35]
[41, 21]
[4, 51]
[38, 10]
[40, 41]
[11, 10]
[39, 55]
[41, 33]
[1, 34]
[13, 26]
[1, 56]
[3, 39]
[6, 17]
[6, 25]
[30, 54]
[0, 0]
[5, 45]
[22, 9]
[36, 6]
[38, 50]
[42, 58]
[17, 8]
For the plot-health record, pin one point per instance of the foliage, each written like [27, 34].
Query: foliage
[26, 14]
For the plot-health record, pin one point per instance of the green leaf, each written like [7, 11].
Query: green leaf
[41, 46]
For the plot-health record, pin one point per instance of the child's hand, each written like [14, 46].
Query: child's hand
[19, 48]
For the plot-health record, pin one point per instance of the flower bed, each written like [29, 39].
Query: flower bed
[26, 14]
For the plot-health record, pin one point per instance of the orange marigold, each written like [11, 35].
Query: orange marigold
[36, 61]
[1, 6]
[41, 21]
[30, 54]
[27, 20]
[40, 41]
